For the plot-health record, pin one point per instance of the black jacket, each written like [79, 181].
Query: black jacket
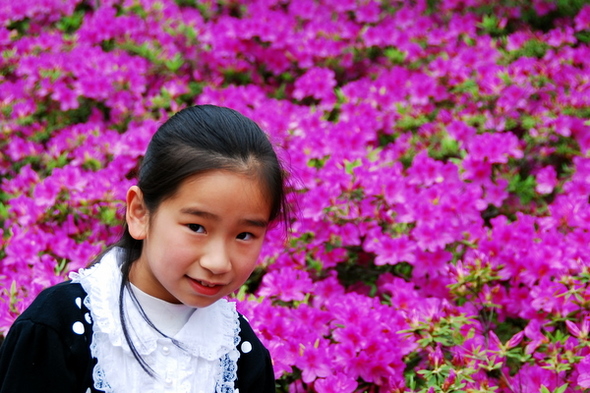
[41, 352]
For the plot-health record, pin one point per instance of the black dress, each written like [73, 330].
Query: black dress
[41, 352]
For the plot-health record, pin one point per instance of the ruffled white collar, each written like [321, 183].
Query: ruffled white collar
[210, 334]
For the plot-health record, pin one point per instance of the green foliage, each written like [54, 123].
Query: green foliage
[490, 25]
[523, 187]
[20, 26]
[70, 23]
[395, 55]
[531, 48]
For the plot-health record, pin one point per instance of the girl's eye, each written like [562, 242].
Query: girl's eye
[245, 236]
[196, 228]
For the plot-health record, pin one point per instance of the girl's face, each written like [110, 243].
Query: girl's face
[202, 243]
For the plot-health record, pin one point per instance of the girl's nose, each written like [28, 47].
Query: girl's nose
[216, 259]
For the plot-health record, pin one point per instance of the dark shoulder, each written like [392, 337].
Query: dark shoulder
[248, 338]
[255, 371]
[56, 305]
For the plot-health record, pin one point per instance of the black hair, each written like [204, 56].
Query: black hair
[197, 140]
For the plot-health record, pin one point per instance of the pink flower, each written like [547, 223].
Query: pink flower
[495, 147]
[286, 284]
[582, 20]
[67, 98]
[546, 180]
[583, 369]
[336, 383]
[390, 250]
[460, 131]
[433, 235]
[476, 169]
[495, 193]
[531, 377]
[317, 82]
[515, 340]
[431, 262]
[560, 36]
[577, 331]
[314, 362]
[533, 333]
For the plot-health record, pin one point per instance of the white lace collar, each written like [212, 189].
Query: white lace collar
[210, 334]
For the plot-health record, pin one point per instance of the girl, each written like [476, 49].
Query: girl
[150, 315]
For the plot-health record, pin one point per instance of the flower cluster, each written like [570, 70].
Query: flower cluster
[440, 160]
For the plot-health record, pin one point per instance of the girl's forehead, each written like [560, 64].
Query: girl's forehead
[221, 176]
[222, 189]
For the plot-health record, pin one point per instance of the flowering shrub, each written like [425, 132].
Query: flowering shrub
[440, 153]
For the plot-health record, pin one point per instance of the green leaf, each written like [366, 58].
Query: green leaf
[70, 23]
[350, 165]
[524, 188]
[175, 63]
[3, 211]
[61, 266]
[395, 55]
[109, 216]
[92, 164]
[59, 162]
[490, 24]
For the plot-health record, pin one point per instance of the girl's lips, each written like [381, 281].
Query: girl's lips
[204, 287]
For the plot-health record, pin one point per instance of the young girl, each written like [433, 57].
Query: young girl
[150, 315]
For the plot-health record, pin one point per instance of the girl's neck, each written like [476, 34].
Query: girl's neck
[169, 318]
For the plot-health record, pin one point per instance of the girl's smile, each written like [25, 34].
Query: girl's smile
[202, 243]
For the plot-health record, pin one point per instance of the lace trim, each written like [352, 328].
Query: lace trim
[229, 364]
[211, 333]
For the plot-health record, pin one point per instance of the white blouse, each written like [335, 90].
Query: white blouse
[199, 357]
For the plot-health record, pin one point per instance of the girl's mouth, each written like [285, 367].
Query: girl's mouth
[205, 288]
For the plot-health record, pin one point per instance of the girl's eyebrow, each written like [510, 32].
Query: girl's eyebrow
[210, 216]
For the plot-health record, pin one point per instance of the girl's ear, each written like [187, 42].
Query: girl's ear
[136, 214]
